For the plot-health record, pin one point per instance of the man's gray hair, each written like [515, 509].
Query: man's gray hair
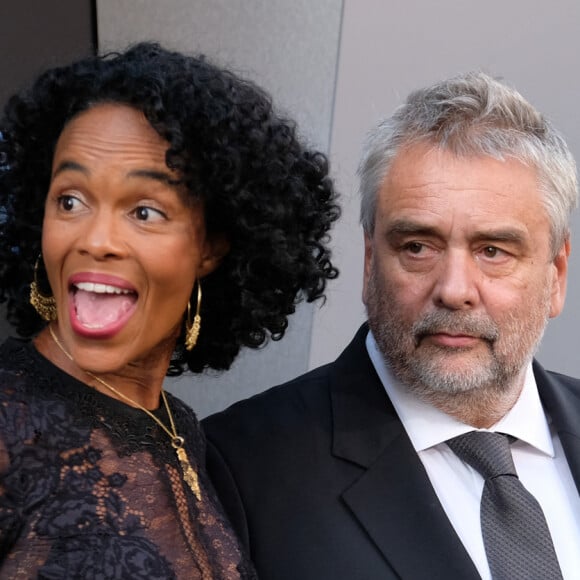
[473, 115]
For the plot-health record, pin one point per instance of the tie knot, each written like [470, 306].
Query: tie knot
[488, 453]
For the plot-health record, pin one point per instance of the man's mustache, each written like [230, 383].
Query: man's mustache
[447, 322]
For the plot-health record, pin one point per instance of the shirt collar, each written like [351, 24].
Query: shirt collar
[428, 426]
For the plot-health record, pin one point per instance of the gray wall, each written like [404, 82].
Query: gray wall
[36, 35]
[338, 76]
[291, 49]
[389, 48]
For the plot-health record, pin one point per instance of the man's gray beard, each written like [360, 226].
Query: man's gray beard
[427, 369]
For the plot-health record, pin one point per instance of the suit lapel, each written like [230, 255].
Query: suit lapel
[561, 397]
[393, 500]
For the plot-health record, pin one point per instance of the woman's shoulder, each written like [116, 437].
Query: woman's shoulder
[15, 350]
[30, 393]
[15, 364]
[183, 413]
[21, 364]
[15, 354]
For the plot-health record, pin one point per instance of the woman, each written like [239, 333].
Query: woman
[156, 216]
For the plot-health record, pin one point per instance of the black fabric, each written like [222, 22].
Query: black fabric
[321, 481]
[91, 488]
[517, 541]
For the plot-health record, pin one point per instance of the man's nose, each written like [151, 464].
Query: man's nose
[457, 284]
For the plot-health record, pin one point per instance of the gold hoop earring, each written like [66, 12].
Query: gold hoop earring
[44, 305]
[192, 328]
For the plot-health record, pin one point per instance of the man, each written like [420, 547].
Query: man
[346, 473]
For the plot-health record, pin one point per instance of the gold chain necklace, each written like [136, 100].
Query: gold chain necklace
[189, 474]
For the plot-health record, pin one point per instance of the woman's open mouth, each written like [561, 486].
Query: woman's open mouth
[100, 310]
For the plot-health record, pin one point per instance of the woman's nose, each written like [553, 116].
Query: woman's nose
[103, 237]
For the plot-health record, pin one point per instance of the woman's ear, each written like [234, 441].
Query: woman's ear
[215, 249]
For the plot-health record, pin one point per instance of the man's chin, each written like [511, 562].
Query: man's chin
[454, 373]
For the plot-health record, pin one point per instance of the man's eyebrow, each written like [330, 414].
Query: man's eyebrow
[68, 165]
[510, 235]
[403, 227]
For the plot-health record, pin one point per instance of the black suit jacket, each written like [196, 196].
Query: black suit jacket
[322, 483]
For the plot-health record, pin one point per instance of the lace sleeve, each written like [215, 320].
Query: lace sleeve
[11, 521]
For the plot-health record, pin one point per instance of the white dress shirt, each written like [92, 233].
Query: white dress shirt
[538, 458]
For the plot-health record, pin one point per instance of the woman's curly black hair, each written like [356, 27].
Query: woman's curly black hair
[269, 194]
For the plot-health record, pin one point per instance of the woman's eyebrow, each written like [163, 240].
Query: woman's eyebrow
[156, 175]
[68, 165]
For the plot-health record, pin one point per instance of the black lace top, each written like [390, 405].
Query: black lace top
[91, 488]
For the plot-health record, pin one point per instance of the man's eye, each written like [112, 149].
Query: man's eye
[490, 251]
[414, 247]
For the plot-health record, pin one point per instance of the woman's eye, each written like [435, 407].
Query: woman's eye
[147, 214]
[68, 202]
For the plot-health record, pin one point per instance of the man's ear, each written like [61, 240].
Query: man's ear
[215, 249]
[368, 265]
[559, 279]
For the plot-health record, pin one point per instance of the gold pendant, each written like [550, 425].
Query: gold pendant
[189, 474]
